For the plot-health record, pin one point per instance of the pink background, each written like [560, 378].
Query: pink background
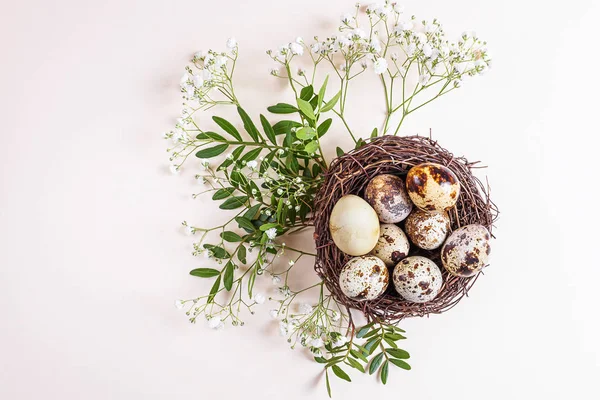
[91, 251]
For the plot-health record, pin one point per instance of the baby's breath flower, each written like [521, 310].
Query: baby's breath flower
[215, 323]
[380, 66]
[276, 280]
[274, 313]
[305, 308]
[271, 233]
[232, 43]
[259, 298]
[179, 304]
[174, 169]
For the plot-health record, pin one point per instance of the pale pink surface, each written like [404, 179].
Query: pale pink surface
[91, 256]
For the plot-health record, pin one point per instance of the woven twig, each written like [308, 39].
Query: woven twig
[350, 174]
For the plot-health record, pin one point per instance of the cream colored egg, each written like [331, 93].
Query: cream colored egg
[387, 195]
[364, 278]
[392, 245]
[417, 279]
[354, 225]
[427, 230]
[466, 251]
[432, 187]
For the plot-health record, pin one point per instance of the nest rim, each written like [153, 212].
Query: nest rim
[351, 172]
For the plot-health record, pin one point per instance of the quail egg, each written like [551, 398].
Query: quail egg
[387, 195]
[392, 245]
[466, 251]
[364, 278]
[417, 279]
[432, 187]
[354, 225]
[427, 230]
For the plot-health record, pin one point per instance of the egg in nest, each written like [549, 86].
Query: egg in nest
[353, 225]
[364, 278]
[432, 187]
[387, 195]
[466, 251]
[427, 230]
[417, 279]
[392, 245]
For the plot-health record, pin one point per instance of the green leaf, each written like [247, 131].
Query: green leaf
[339, 152]
[245, 223]
[228, 127]
[322, 91]
[233, 203]
[331, 103]
[390, 342]
[283, 127]
[363, 331]
[311, 147]
[327, 384]
[324, 127]
[251, 213]
[384, 372]
[268, 226]
[306, 109]
[340, 373]
[228, 276]
[400, 363]
[306, 93]
[251, 280]
[375, 363]
[374, 133]
[231, 237]
[398, 353]
[372, 345]
[357, 354]
[212, 151]
[320, 360]
[204, 272]
[282, 108]
[248, 124]
[355, 364]
[215, 136]
[218, 252]
[305, 133]
[395, 336]
[213, 290]
[371, 333]
[223, 193]
[251, 155]
[241, 254]
[268, 129]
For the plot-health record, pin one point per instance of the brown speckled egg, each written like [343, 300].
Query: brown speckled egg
[466, 251]
[417, 279]
[387, 195]
[427, 230]
[432, 187]
[364, 278]
[392, 245]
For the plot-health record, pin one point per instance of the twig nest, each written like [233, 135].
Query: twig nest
[364, 278]
[354, 225]
[466, 251]
[392, 245]
[386, 193]
[417, 279]
[428, 230]
[432, 187]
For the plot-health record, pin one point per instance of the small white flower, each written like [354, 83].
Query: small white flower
[315, 48]
[215, 323]
[184, 79]
[174, 169]
[274, 313]
[398, 8]
[468, 34]
[340, 341]
[220, 61]
[274, 71]
[280, 191]
[404, 26]
[283, 328]
[317, 342]
[259, 298]
[301, 71]
[297, 208]
[347, 18]
[291, 262]
[276, 280]
[305, 308]
[380, 66]
[232, 43]
[430, 28]
[198, 81]
[427, 50]
[296, 48]
[252, 164]
[423, 79]
[271, 233]
[189, 230]
[394, 56]
[335, 316]
[179, 304]
[299, 40]
[202, 180]
[206, 75]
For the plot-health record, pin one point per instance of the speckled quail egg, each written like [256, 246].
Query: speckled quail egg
[354, 225]
[364, 278]
[392, 245]
[427, 230]
[466, 251]
[387, 195]
[417, 279]
[432, 187]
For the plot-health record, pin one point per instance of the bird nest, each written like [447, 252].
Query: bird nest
[350, 174]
